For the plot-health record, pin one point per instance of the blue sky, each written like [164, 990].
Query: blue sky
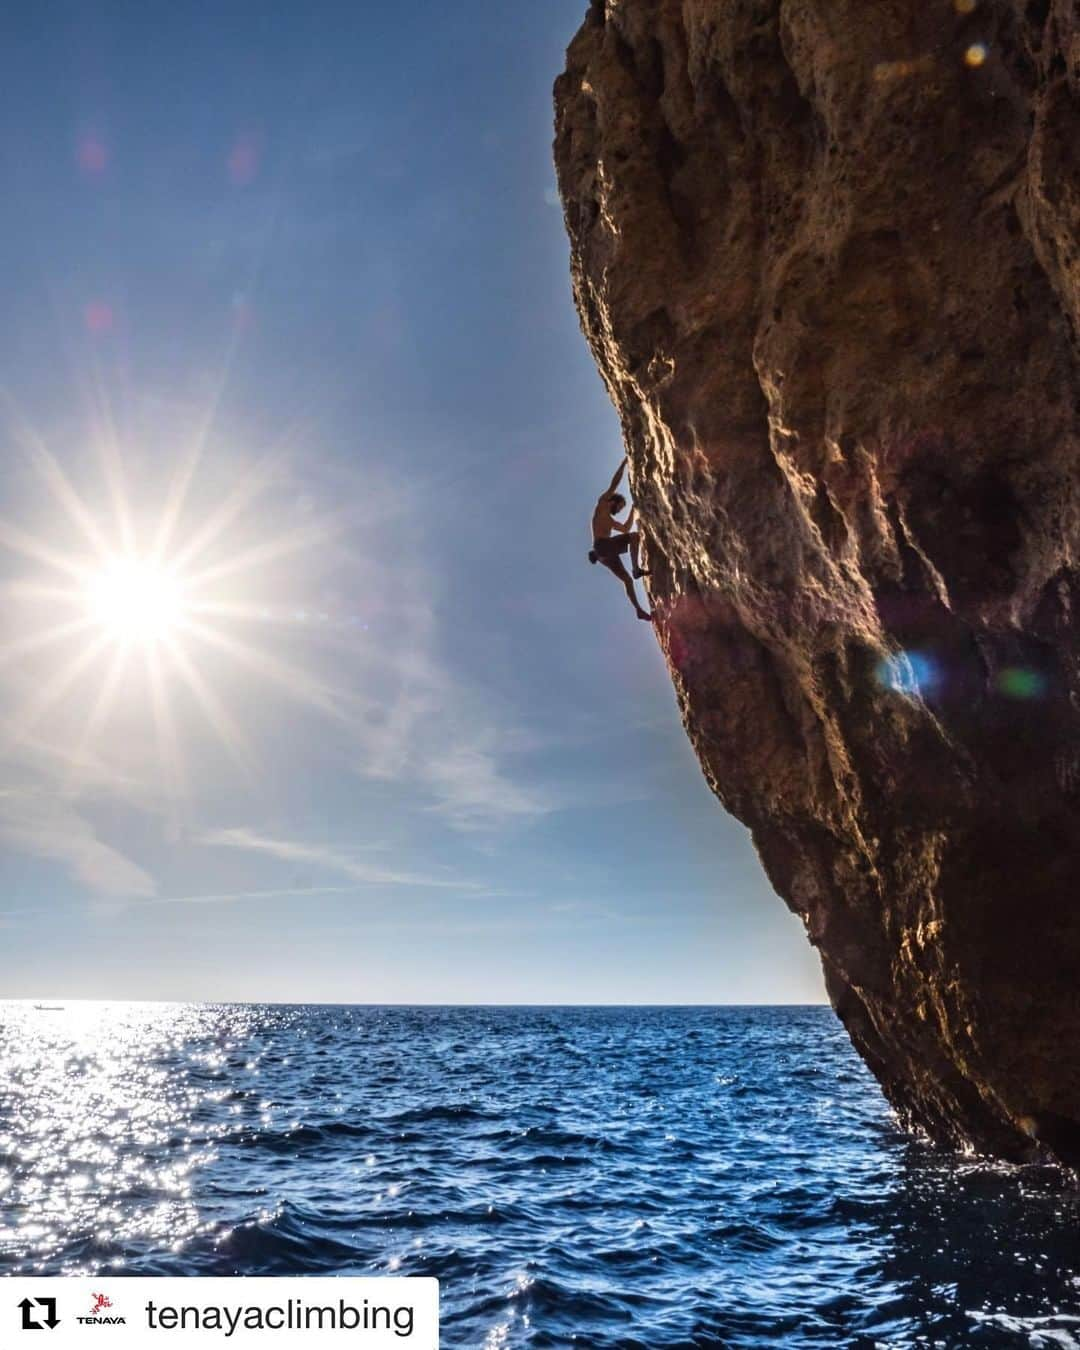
[294, 281]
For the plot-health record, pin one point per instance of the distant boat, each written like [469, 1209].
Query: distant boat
[48, 1007]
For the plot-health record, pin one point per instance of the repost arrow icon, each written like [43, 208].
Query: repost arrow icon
[29, 1323]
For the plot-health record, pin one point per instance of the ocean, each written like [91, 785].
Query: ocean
[602, 1177]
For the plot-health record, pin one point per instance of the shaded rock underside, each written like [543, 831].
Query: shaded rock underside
[826, 256]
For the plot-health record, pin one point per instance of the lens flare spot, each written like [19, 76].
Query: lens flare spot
[965, 6]
[92, 154]
[976, 55]
[98, 317]
[135, 601]
[1021, 682]
[243, 161]
[913, 673]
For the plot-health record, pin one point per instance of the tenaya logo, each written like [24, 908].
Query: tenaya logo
[35, 1320]
[97, 1313]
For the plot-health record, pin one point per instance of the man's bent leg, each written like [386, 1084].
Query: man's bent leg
[635, 553]
[614, 565]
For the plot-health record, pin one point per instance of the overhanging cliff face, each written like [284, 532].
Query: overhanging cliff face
[826, 254]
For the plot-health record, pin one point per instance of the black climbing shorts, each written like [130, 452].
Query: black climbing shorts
[611, 547]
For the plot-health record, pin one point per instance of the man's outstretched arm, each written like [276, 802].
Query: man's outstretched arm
[618, 477]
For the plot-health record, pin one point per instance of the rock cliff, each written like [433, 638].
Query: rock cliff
[826, 255]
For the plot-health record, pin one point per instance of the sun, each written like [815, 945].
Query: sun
[136, 600]
[164, 594]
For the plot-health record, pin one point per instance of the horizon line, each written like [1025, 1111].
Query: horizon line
[307, 1003]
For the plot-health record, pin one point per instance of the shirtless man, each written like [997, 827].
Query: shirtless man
[608, 547]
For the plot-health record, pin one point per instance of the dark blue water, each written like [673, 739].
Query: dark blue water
[604, 1177]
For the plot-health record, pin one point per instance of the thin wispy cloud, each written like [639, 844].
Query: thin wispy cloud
[43, 826]
[472, 793]
[233, 897]
[331, 859]
[435, 732]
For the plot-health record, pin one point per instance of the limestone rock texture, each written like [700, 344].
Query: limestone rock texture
[826, 255]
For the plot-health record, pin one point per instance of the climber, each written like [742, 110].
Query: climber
[608, 548]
